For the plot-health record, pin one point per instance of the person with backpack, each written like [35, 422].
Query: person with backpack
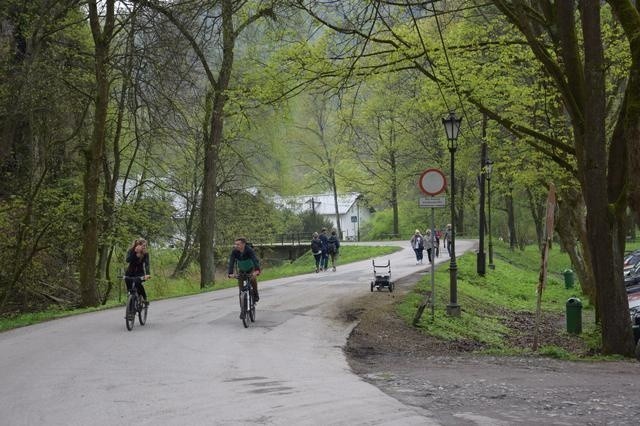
[417, 244]
[243, 259]
[333, 246]
[316, 250]
[324, 261]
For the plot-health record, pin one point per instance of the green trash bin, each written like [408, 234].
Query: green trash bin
[568, 278]
[574, 315]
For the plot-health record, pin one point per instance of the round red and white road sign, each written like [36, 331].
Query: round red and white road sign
[432, 182]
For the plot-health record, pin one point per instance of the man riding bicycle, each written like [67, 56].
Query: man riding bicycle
[244, 258]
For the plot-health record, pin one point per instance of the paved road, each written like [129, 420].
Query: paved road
[194, 363]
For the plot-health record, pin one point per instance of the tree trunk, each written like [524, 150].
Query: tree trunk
[629, 119]
[187, 249]
[394, 199]
[511, 219]
[94, 153]
[112, 174]
[334, 189]
[210, 189]
[571, 228]
[603, 230]
[537, 212]
[461, 185]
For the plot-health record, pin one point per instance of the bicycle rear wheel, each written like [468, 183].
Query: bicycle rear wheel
[130, 312]
[244, 304]
[142, 313]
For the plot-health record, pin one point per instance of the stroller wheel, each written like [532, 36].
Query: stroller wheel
[372, 286]
[390, 287]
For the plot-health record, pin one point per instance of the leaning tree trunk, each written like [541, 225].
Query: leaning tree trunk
[571, 229]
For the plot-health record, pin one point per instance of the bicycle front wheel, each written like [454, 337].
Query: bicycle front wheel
[130, 312]
[252, 308]
[244, 305]
[142, 313]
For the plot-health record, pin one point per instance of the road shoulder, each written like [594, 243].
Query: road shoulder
[467, 388]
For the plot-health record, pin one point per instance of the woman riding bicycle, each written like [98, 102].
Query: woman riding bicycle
[246, 261]
[138, 260]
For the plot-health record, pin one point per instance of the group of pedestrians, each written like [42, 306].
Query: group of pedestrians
[324, 247]
[431, 243]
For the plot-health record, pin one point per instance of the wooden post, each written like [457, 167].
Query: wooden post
[548, 235]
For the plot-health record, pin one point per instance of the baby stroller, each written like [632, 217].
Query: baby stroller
[382, 276]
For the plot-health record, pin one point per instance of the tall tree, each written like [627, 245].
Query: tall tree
[321, 143]
[102, 29]
[225, 33]
[578, 73]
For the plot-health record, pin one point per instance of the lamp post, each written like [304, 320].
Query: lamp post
[452, 128]
[488, 170]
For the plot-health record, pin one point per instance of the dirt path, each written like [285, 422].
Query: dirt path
[461, 388]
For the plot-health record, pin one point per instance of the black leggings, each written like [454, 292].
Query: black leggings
[138, 284]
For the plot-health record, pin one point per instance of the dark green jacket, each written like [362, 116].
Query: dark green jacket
[246, 261]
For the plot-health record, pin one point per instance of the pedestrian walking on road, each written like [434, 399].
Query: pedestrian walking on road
[428, 244]
[316, 250]
[417, 244]
[447, 239]
[324, 261]
[333, 247]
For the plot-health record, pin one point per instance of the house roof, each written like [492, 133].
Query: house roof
[323, 203]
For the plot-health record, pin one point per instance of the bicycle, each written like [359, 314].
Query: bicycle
[247, 303]
[135, 304]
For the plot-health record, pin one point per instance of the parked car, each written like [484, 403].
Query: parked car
[633, 276]
[634, 311]
[631, 260]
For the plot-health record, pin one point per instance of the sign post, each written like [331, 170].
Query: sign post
[432, 183]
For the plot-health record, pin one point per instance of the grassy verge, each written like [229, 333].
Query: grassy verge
[162, 286]
[489, 304]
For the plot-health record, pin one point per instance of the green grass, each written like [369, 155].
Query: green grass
[161, 286]
[486, 301]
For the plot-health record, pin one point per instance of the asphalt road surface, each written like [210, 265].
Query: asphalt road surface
[194, 363]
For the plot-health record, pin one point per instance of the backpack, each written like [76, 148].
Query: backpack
[331, 247]
[316, 246]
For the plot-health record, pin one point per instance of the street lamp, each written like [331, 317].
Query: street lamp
[452, 128]
[488, 170]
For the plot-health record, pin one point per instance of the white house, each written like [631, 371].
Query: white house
[351, 210]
